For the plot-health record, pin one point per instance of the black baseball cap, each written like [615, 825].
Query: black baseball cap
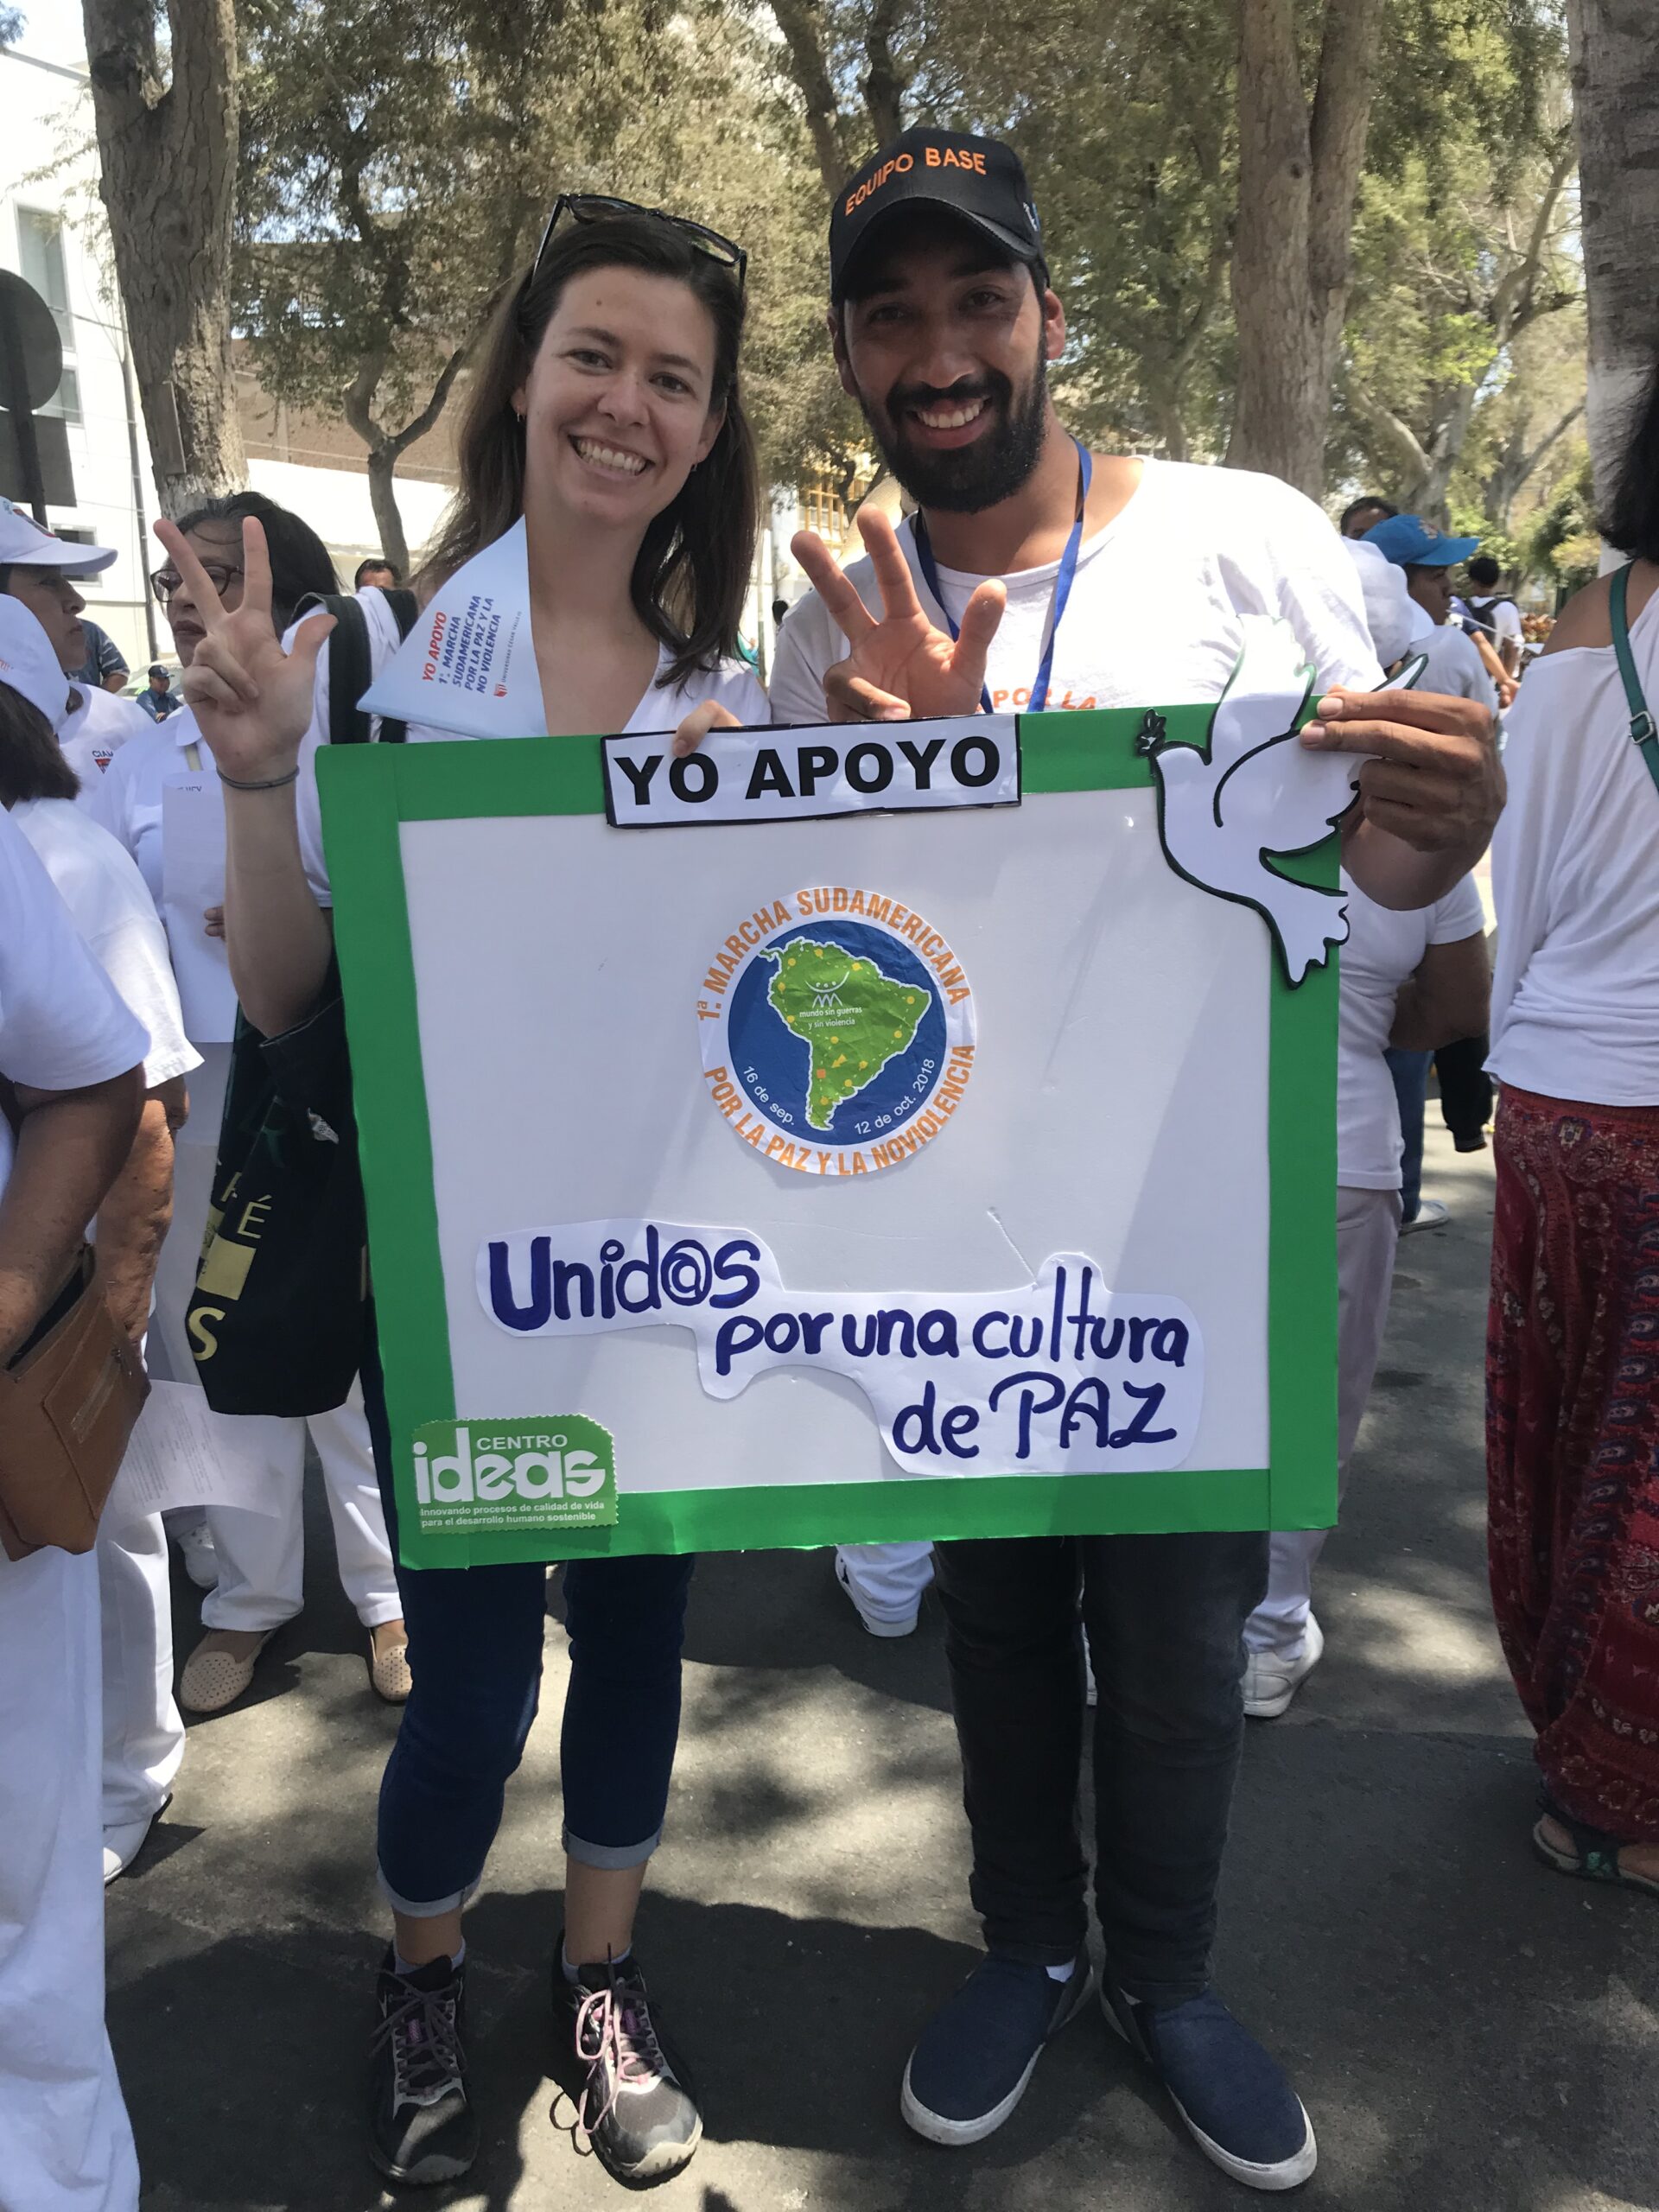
[979, 179]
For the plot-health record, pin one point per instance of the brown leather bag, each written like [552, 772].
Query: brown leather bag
[68, 1401]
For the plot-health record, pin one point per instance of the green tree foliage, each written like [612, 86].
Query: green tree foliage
[397, 168]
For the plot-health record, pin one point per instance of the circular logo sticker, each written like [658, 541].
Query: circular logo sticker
[837, 1031]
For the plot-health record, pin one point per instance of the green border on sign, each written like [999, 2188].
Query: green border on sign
[369, 791]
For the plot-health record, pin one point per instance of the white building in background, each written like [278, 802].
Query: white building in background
[53, 234]
[49, 184]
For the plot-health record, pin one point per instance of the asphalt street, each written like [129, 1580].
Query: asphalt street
[1470, 2032]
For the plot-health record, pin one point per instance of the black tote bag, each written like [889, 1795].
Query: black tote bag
[276, 1320]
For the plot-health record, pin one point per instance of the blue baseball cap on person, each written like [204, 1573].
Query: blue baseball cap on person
[1411, 542]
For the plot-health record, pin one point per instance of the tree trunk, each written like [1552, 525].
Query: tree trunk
[1298, 172]
[1614, 47]
[382, 497]
[167, 173]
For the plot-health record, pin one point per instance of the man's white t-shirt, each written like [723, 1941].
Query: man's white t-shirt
[1500, 619]
[105, 895]
[1455, 667]
[94, 730]
[62, 1023]
[1575, 880]
[1155, 614]
[661, 711]
[1383, 949]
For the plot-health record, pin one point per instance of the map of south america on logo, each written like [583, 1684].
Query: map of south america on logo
[851, 1018]
[837, 1029]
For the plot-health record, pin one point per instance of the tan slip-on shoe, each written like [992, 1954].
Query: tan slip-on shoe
[389, 1661]
[216, 1673]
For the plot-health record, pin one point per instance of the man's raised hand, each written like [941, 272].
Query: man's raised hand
[251, 701]
[898, 667]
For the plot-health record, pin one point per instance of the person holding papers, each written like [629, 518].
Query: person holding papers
[143, 1735]
[161, 798]
[1034, 574]
[604, 531]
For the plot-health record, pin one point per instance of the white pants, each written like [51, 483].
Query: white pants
[66, 2145]
[1368, 1229]
[144, 1731]
[262, 1555]
[888, 1579]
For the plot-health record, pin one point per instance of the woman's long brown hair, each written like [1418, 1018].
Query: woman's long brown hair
[693, 569]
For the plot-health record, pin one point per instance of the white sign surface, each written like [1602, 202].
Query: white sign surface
[1115, 1122]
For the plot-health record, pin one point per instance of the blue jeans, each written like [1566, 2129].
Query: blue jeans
[1164, 1617]
[1410, 1073]
[475, 1653]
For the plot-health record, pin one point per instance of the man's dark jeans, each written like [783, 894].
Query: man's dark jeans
[1164, 1617]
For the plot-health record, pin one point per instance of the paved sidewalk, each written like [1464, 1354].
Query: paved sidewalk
[1470, 2033]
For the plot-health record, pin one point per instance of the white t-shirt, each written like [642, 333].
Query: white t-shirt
[1455, 668]
[736, 687]
[1383, 948]
[1501, 619]
[1575, 879]
[94, 731]
[1154, 618]
[62, 1023]
[105, 892]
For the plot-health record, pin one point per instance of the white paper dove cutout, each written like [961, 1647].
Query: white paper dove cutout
[1227, 811]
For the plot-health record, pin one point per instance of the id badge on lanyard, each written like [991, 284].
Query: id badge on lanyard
[1063, 577]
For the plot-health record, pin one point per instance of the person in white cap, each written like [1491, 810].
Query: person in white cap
[70, 1050]
[38, 570]
[143, 1735]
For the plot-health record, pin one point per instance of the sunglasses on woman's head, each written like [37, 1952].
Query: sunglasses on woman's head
[601, 208]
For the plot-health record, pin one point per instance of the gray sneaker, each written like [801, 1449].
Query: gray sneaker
[636, 2105]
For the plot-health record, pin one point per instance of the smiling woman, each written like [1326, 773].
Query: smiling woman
[606, 450]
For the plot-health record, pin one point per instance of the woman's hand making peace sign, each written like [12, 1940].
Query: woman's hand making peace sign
[899, 667]
[251, 701]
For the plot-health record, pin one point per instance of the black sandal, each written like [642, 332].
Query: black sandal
[1594, 1855]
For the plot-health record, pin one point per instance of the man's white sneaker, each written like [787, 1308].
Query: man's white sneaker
[1271, 1681]
[877, 1624]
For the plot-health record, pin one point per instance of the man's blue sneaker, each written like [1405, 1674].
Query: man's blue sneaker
[1239, 2108]
[970, 2067]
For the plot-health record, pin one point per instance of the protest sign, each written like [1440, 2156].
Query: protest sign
[960, 1169]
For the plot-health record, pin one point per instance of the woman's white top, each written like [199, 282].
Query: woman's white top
[1575, 879]
[160, 797]
[116, 918]
[661, 708]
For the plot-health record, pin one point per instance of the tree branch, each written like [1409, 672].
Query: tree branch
[800, 23]
[885, 83]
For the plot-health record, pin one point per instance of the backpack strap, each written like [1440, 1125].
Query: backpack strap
[351, 669]
[1644, 732]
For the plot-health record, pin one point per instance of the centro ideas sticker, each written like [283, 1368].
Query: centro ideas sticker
[555, 1471]
[838, 1031]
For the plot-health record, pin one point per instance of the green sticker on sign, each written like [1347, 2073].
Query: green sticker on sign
[544, 1471]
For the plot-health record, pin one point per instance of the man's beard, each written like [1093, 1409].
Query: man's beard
[971, 478]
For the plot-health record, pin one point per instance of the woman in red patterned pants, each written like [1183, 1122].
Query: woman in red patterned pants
[1573, 1344]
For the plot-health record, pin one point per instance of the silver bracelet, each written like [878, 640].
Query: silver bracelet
[271, 783]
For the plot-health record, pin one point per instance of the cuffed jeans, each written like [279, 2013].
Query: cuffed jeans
[475, 1655]
[1164, 1617]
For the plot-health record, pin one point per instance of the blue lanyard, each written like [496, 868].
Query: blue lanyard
[1063, 576]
